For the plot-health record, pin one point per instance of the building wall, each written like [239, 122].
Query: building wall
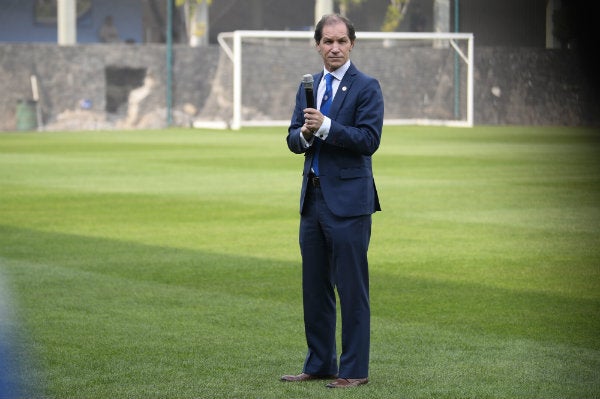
[493, 22]
[18, 22]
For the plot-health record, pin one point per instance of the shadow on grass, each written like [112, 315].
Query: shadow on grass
[164, 265]
[536, 315]
[113, 318]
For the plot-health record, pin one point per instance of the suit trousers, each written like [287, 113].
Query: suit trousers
[334, 257]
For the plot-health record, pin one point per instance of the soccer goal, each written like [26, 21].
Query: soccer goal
[426, 78]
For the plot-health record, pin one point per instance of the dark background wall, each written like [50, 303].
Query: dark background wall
[504, 23]
[494, 22]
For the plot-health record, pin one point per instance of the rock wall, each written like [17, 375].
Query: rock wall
[122, 86]
[104, 86]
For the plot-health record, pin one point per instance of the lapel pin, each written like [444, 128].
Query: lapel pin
[344, 88]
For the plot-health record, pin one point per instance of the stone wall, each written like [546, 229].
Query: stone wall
[104, 86]
[123, 86]
[527, 86]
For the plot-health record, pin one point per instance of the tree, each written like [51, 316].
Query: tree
[346, 4]
[395, 13]
[393, 17]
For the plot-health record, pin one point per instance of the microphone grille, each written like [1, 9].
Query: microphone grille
[307, 80]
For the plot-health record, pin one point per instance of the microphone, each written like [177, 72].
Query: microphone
[307, 82]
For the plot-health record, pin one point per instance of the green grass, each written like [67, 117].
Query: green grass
[165, 264]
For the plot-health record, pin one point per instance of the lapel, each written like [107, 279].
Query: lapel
[318, 77]
[342, 91]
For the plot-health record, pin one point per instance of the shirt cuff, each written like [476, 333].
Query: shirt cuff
[323, 131]
[305, 142]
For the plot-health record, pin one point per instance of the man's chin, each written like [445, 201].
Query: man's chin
[334, 66]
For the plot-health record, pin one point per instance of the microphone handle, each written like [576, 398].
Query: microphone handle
[310, 98]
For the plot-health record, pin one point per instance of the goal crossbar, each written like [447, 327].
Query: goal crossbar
[234, 53]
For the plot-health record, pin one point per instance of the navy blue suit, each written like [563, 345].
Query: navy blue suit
[335, 225]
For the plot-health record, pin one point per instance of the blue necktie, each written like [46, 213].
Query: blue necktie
[325, 104]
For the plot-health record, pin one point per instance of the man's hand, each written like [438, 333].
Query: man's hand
[306, 132]
[313, 119]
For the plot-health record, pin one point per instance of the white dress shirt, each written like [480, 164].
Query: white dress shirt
[338, 74]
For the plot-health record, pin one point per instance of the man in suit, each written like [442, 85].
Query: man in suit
[337, 200]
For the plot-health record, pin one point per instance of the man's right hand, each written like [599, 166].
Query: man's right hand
[306, 132]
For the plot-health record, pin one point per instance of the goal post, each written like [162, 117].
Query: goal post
[426, 78]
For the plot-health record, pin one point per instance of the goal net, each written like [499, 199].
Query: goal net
[426, 78]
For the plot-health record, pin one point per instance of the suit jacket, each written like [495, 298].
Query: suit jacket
[346, 173]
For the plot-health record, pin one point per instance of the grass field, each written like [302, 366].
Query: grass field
[165, 264]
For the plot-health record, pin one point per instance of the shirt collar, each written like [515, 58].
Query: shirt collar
[338, 73]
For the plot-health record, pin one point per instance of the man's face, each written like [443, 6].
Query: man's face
[335, 46]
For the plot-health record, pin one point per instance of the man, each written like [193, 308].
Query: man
[337, 200]
[108, 31]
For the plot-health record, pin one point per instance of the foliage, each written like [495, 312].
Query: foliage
[345, 5]
[394, 15]
[179, 3]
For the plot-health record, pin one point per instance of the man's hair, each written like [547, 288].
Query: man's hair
[332, 19]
